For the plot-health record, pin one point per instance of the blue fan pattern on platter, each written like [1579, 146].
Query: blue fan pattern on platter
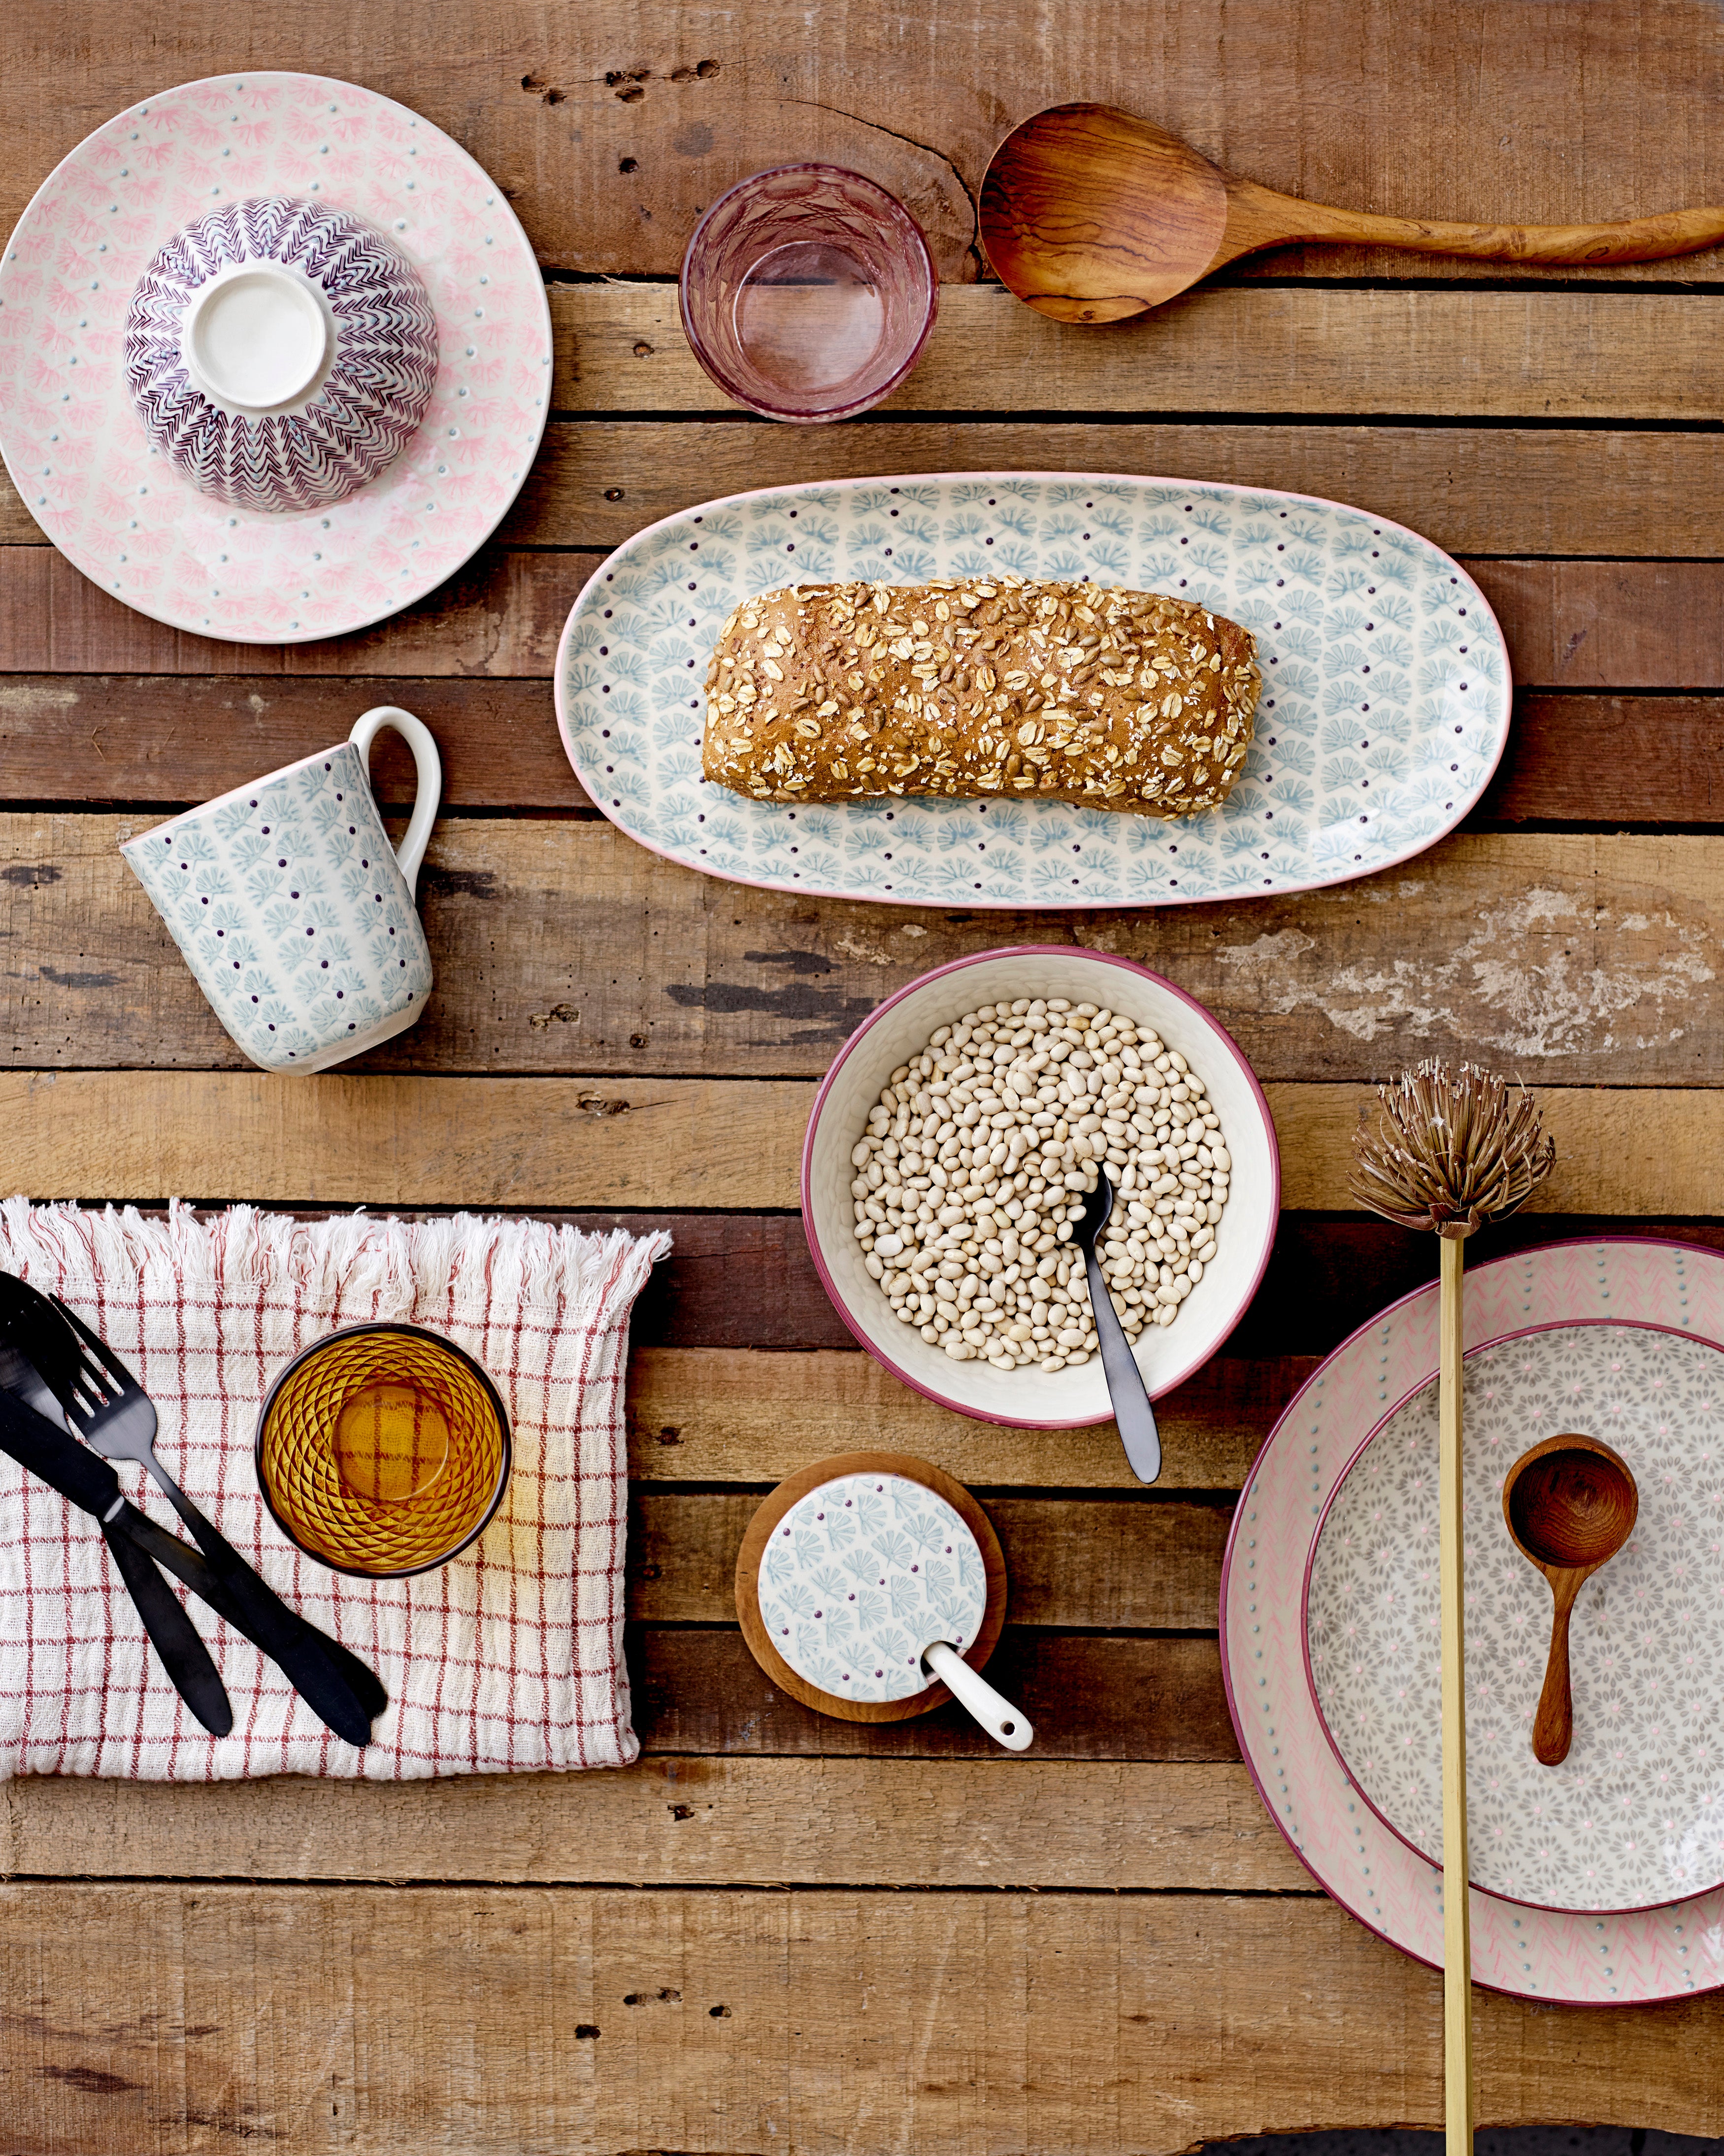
[354, 422]
[863, 1574]
[1384, 711]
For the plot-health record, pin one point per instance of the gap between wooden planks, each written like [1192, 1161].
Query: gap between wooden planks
[1496, 490]
[699, 1143]
[561, 947]
[163, 2017]
[1569, 624]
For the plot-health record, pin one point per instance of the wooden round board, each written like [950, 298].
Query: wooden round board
[772, 1510]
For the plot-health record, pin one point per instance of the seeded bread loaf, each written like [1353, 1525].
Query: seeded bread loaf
[1109, 698]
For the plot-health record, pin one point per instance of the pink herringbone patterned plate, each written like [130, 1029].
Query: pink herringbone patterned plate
[1578, 1958]
[114, 503]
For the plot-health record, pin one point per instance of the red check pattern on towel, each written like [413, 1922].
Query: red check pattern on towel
[508, 1658]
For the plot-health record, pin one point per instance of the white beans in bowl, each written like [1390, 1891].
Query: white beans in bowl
[976, 1162]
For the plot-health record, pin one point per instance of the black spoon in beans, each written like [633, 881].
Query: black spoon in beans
[1126, 1388]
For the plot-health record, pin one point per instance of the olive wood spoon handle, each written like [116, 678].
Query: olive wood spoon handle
[1553, 1725]
[1258, 218]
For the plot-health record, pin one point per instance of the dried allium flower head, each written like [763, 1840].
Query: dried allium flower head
[1452, 1150]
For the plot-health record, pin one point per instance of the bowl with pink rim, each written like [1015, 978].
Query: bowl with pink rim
[1029, 1397]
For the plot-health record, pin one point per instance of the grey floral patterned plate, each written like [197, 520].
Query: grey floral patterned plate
[1384, 711]
[1633, 1817]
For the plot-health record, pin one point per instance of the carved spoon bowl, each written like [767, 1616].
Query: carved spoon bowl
[1571, 1503]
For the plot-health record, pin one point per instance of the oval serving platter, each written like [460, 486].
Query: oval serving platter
[1384, 711]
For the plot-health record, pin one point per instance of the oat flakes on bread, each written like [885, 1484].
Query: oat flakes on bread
[984, 686]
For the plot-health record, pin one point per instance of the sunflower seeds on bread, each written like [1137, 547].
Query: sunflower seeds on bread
[981, 687]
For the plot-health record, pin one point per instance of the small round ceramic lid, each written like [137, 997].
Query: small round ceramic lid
[863, 1574]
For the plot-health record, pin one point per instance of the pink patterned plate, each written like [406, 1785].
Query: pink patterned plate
[114, 503]
[1592, 1958]
[1634, 1816]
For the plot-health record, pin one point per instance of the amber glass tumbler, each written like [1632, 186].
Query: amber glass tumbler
[383, 1450]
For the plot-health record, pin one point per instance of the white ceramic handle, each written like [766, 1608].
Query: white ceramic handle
[997, 1715]
[428, 794]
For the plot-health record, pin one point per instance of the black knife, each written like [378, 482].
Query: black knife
[36, 1444]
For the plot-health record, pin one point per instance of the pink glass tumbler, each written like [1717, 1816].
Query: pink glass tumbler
[807, 292]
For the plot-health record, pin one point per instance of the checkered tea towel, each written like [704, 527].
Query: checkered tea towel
[509, 1657]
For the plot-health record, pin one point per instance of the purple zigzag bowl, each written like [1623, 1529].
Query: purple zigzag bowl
[281, 352]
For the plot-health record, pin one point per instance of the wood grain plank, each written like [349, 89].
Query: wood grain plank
[171, 741]
[1122, 1563]
[1089, 1696]
[164, 2018]
[174, 740]
[1498, 490]
[1603, 759]
[611, 127]
[1101, 1827]
[1591, 354]
[561, 947]
[706, 1143]
[498, 616]
[729, 1414]
[737, 1281]
[1501, 489]
[1570, 625]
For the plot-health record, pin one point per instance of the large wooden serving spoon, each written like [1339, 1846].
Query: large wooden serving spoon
[1090, 214]
[1571, 1503]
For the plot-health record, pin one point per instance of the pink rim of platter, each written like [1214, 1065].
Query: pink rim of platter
[1384, 712]
[72, 442]
[1193, 1353]
[1580, 1959]
[1592, 1806]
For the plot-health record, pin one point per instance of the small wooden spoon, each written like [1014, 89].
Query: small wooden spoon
[1571, 1503]
[1090, 214]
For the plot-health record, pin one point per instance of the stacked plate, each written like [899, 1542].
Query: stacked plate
[1598, 1882]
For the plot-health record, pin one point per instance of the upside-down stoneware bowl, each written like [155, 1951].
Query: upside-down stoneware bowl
[1030, 1397]
[281, 352]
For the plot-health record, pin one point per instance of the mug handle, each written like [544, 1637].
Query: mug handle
[428, 766]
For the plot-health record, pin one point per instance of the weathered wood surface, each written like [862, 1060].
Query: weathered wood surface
[1500, 490]
[1508, 489]
[1149, 1565]
[1530, 354]
[563, 946]
[1569, 624]
[522, 2018]
[1089, 1695]
[989, 1821]
[171, 741]
[717, 1143]
[611, 126]
[740, 1281]
[738, 1415]
[609, 1032]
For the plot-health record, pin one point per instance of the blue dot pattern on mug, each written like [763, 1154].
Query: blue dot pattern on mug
[860, 1576]
[287, 902]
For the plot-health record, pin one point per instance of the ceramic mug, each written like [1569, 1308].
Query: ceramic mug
[291, 907]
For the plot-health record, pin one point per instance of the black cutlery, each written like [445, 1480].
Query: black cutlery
[49, 1373]
[172, 1633]
[111, 1411]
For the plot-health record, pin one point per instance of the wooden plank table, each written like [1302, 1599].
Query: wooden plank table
[777, 1932]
